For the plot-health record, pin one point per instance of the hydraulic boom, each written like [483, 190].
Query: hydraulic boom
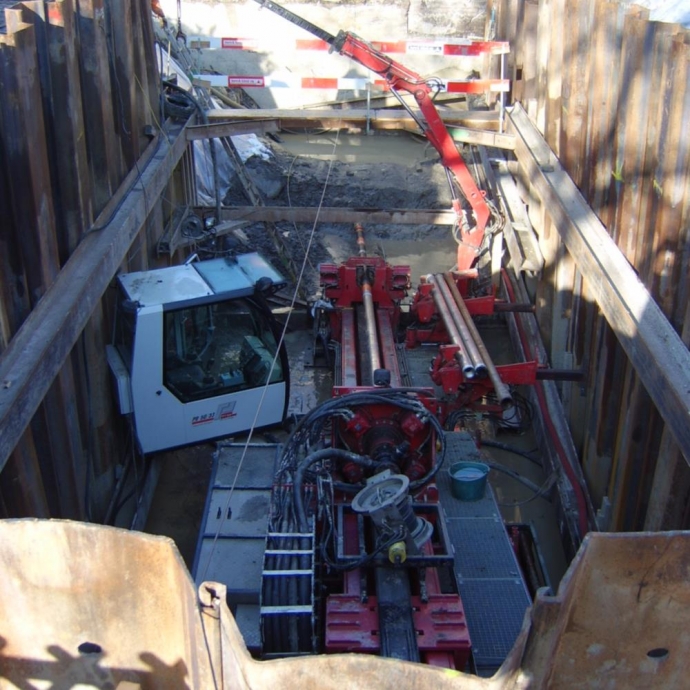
[400, 78]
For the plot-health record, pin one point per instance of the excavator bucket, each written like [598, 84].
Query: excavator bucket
[90, 606]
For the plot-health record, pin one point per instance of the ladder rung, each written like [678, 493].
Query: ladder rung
[286, 572]
[273, 610]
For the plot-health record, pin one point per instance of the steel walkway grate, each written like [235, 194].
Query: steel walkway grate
[493, 593]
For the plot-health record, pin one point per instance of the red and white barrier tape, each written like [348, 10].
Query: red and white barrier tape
[451, 47]
[340, 83]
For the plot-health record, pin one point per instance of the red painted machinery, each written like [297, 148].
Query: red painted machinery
[358, 556]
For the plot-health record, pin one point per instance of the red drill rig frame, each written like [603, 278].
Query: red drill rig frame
[401, 79]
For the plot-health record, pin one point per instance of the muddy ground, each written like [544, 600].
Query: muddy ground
[357, 172]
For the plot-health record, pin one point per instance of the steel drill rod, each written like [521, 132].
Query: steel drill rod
[502, 391]
[372, 335]
[442, 308]
[369, 312]
[473, 353]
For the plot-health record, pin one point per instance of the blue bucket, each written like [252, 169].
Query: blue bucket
[468, 480]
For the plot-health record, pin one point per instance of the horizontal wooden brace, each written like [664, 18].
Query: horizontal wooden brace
[378, 118]
[39, 348]
[230, 129]
[659, 356]
[336, 215]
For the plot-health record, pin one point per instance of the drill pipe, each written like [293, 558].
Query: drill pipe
[443, 309]
[502, 391]
[369, 313]
[475, 357]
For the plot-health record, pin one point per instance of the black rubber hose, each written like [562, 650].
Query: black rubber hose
[510, 449]
[515, 475]
[315, 457]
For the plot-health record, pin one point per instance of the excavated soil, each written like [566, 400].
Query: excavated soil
[377, 172]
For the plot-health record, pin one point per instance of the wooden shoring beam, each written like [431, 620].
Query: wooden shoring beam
[230, 129]
[480, 119]
[466, 127]
[35, 355]
[306, 214]
[657, 353]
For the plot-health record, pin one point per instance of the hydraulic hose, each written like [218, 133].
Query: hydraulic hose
[318, 456]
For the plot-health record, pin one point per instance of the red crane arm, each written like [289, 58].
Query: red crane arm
[400, 78]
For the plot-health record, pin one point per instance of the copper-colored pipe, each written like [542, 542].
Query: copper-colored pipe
[475, 357]
[369, 313]
[502, 391]
[442, 307]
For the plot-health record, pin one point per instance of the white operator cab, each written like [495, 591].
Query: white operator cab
[194, 348]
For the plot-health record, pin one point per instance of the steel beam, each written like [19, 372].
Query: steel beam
[36, 353]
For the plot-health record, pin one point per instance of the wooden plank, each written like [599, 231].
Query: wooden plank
[481, 138]
[20, 482]
[543, 44]
[668, 499]
[575, 86]
[669, 188]
[478, 119]
[671, 483]
[64, 126]
[654, 348]
[145, 75]
[120, 30]
[298, 214]
[529, 58]
[14, 300]
[230, 129]
[34, 356]
[554, 101]
[517, 41]
[605, 88]
[639, 429]
[149, 64]
[26, 157]
[71, 161]
[31, 193]
[99, 123]
[633, 115]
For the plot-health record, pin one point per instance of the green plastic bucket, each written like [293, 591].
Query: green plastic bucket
[468, 480]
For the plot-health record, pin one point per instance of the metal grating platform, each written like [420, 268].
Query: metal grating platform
[233, 539]
[493, 593]
[495, 610]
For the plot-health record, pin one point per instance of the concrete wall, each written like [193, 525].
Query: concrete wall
[275, 54]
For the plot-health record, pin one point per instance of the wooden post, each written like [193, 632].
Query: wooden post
[605, 88]
[671, 484]
[575, 90]
[120, 33]
[21, 485]
[99, 124]
[554, 109]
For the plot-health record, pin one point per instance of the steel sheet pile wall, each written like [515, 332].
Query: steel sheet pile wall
[78, 85]
[609, 91]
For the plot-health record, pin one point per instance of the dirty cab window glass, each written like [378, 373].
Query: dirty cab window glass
[220, 348]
